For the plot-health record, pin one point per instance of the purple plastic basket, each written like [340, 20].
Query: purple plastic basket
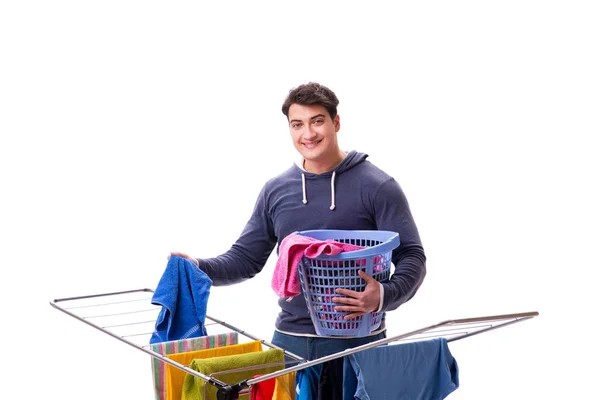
[320, 276]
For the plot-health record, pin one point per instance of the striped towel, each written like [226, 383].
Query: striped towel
[182, 346]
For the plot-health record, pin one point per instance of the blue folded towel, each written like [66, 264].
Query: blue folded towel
[422, 370]
[183, 293]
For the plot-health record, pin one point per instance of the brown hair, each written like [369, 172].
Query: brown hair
[309, 94]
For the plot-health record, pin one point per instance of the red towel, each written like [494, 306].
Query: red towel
[285, 280]
[263, 390]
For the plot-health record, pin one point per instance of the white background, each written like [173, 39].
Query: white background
[130, 129]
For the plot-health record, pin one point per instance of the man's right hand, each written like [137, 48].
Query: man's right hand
[192, 259]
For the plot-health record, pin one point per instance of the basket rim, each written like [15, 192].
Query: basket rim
[389, 241]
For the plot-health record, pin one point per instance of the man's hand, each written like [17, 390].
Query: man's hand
[359, 303]
[183, 255]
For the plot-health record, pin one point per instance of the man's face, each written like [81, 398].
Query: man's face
[314, 133]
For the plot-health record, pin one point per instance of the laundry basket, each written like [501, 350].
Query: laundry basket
[320, 276]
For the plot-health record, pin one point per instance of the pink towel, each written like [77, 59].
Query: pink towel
[285, 280]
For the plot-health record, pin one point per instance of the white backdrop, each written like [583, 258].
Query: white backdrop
[131, 129]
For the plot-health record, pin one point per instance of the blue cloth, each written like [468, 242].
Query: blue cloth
[424, 370]
[310, 382]
[182, 292]
[307, 383]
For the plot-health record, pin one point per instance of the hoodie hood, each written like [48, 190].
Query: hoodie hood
[352, 159]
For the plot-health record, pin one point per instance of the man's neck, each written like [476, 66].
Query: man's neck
[316, 167]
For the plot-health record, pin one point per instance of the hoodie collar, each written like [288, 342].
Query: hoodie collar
[352, 158]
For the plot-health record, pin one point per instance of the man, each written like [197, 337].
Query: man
[327, 189]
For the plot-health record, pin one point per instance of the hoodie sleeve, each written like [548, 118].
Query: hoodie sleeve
[249, 253]
[392, 213]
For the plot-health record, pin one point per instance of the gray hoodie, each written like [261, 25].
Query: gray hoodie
[356, 195]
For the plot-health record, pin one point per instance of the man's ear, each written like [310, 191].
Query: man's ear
[336, 122]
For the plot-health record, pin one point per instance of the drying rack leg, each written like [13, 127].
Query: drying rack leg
[230, 392]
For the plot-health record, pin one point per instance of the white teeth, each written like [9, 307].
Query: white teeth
[311, 144]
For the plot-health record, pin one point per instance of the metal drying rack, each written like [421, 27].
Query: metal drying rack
[130, 317]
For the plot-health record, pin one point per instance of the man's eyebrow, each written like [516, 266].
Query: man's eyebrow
[311, 118]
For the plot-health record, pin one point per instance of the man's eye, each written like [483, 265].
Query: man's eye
[296, 125]
[318, 121]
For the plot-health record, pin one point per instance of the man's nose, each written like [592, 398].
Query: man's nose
[309, 133]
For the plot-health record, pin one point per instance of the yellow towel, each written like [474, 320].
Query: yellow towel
[285, 387]
[193, 387]
[175, 377]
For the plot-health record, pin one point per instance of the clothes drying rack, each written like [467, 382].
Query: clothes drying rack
[130, 317]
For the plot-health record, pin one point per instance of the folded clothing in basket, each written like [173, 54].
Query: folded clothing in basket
[182, 292]
[293, 247]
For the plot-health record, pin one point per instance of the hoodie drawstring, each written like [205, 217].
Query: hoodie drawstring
[304, 190]
[332, 207]
[305, 200]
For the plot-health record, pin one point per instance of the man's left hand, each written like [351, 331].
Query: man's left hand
[359, 303]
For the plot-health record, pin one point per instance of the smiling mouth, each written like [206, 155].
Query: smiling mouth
[310, 145]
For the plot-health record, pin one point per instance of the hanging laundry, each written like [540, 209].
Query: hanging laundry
[321, 382]
[421, 370]
[175, 377]
[285, 387]
[331, 380]
[182, 292]
[293, 247]
[263, 390]
[307, 382]
[181, 346]
[280, 388]
[225, 369]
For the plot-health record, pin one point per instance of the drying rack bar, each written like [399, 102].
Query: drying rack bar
[253, 337]
[489, 324]
[130, 317]
[81, 303]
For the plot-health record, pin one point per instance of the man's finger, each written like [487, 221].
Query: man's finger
[345, 300]
[367, 278]
[184, 255]
[356, 310]
[348, 292]
[353, 315]
[345, 308]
